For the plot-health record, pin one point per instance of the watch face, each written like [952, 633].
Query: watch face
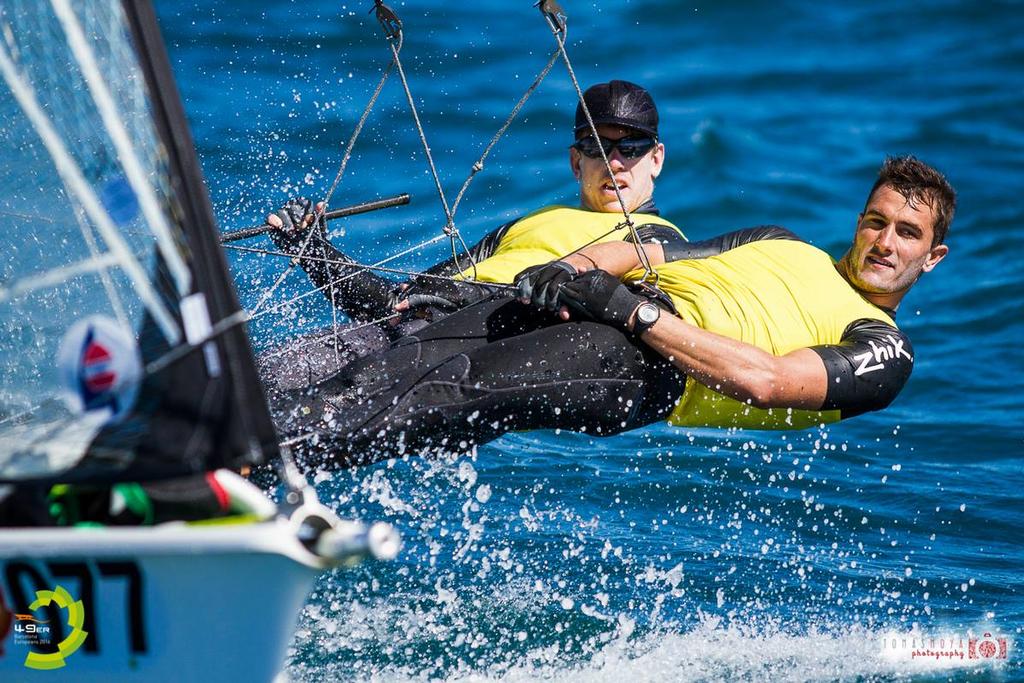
[648, 313]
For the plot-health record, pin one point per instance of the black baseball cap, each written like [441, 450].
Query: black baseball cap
[619, 103]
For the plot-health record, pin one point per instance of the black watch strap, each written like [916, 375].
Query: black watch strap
[647, 314]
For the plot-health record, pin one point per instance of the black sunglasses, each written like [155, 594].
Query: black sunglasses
[631, 147]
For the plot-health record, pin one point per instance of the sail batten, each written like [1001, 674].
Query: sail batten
[73, 177]
[116, 304]
[58, 275]
[115, 127]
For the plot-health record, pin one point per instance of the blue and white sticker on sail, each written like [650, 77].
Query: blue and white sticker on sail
[100, 367]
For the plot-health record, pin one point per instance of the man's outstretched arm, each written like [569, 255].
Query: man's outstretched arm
[864, 371]
[358, 291]
[739, 370]
[733, 368]
[618, 258]
[540, 284]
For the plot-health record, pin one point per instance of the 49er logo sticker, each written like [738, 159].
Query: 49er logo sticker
[32, 631]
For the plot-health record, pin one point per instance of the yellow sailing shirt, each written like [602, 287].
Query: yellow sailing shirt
[779, 295]
[551, 233]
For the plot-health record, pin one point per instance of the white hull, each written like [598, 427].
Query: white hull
[213, 603]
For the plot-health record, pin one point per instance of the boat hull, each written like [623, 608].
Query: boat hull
[159, 604]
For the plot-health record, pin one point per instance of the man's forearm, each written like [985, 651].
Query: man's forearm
[358, 291]
[739, 370]
[617, 258]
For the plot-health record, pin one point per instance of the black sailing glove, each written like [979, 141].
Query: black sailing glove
[447, 295]
[599, 296]
[540, 284]
[293, 231]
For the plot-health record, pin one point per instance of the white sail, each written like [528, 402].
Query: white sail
[125, 360]
[108, 220]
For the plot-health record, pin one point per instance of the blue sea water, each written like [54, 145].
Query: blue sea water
[662, 554]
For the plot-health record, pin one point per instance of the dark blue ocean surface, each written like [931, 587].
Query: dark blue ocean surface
[663, 554]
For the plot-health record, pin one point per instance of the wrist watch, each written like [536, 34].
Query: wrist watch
[647, 314]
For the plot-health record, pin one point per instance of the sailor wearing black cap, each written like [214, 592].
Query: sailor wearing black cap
[758, 330]
[626, 121]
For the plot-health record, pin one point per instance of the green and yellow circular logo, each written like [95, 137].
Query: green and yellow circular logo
[65, 648]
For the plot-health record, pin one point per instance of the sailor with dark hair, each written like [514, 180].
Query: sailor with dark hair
[626, 119]
[754, 329]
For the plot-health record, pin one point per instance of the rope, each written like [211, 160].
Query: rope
[393, 30]
[362, 267]
[556, 22]
[378, 266]
[479, 164]
[392, 26]
[337, 180]
[449, 229]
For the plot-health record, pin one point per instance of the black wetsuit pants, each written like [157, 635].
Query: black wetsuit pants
[494, 367]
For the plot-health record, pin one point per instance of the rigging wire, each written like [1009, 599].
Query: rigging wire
[363, 267]
[334, 185]
[392, 26]
[449, 229]
[360, 268]
[556, 19]
[478, 165]
[378, 266]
